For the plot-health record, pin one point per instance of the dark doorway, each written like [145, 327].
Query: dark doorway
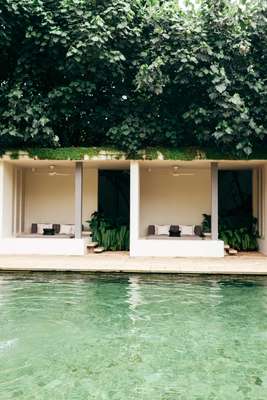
[114, 195]
[235, 198]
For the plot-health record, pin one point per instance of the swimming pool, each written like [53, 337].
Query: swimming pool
[145, 337]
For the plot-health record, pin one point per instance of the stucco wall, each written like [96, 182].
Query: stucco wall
[6, 199]
[50, 199]
[165, 199]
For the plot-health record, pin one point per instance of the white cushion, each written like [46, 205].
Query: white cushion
[41, 227]
[67, 229]
[72, 229]
[187, 230]
[162, 229]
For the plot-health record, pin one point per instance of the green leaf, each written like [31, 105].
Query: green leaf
[236, 100]
[221, 87]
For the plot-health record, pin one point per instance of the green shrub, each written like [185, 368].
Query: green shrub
[206, 223]
[242, 239]
[242, 236]
[112, 235]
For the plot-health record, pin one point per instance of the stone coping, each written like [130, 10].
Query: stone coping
[244, 264]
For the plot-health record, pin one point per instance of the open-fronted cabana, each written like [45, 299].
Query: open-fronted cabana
[167, 193]
[174, 194]
[62, 194]
[38, 195]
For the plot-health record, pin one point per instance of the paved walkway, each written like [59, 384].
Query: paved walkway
[254, 264]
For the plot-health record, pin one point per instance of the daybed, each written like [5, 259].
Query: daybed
[45, 230]
[176, 232]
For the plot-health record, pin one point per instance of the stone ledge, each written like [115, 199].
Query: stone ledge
[252, 264]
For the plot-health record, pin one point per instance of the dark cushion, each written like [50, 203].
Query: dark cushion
[198, 231]
[151, 230]
[34, 228]
[56, 228]
[174, 228]
[48, 232]
[175, 234]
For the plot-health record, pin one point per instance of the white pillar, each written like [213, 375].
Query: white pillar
[78, 199]
[6, 199]
[134, 204]
[214, 201]
[1, 199]
[257, 196]
[15, 200]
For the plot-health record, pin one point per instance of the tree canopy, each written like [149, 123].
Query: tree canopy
[133, 73]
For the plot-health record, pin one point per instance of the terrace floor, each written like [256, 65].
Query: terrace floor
[243, 263]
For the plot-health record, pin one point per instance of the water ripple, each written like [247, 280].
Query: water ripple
[138, 337]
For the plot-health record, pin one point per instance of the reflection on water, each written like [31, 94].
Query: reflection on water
[160, 337]
[134, 296]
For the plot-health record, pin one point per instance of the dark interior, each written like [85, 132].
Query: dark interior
[114, 194]
[235, 198]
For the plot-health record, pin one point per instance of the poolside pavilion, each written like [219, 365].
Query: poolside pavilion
[162, 192]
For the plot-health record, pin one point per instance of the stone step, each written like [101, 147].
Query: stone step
[92, 245]
[98, 250]
[232, 252]
[87, 233]
[226, 247]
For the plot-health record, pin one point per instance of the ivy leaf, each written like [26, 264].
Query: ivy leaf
[247, 150]
[221, 87]
[236, 100]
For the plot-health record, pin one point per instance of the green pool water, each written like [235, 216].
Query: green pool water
[132, 337]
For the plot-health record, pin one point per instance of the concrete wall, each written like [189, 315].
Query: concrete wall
[166, 199]
[6, 199]
[50, 199]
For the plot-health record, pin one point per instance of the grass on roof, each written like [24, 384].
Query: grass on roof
[153, 153]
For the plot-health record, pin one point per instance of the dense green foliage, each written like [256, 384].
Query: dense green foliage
[133, 73]
[109, 234]
[150, 153]
[240, 237]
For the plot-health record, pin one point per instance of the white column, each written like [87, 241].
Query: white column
[262, 241]
[257, 196]
[15, 200]
[134, 204]
[6, 199]
[78, 199]
[1, 199]
[214, 201]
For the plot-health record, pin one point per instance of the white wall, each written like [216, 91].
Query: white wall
[6, 199]
[50, 246]
[263, 241]
[166, 199]
[50, 199]
[177, 248]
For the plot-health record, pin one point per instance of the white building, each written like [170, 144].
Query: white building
[162, 192]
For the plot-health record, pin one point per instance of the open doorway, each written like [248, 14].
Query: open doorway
[114, 195]
[235, 198]
[237, 225]
[110, 225]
